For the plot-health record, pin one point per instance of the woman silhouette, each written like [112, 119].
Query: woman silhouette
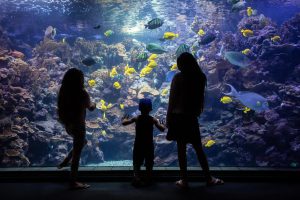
[186, 103]
[73, 100]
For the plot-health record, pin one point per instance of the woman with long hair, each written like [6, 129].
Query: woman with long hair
[186, 103]
[73, 100]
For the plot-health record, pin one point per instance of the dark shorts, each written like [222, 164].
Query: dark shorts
[143, 153]
[184, 128]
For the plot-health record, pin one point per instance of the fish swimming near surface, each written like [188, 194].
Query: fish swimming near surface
[154, 23]
[89, 61]
[207, 38]
[97, 27]
[181, 49]
[170, 75]
[155, 48]
[108, 33]
[237, 58]
[251, 100]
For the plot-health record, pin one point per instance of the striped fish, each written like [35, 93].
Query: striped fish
[154, 23]
[181, 49]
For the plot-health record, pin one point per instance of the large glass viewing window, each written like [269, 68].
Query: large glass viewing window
[249, 51]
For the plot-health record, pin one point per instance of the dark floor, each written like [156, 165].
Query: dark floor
[161, 190]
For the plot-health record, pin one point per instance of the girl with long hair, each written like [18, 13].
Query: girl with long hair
[73, 100]
[186, 103]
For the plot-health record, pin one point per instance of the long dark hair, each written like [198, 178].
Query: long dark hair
[70, 95]
[188, 66]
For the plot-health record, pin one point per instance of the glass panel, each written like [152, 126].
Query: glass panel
[249, 51]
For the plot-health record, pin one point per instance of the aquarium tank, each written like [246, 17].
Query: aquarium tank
[127, 50]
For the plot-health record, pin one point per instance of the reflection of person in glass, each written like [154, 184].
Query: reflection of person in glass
[186, 103]
[143, 145]
[73, 100]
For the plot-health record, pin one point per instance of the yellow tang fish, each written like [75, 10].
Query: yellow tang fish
[92, 83]
[103, 132]
[246, 51]
[226, 99]
[246, 109]
[152, 64]
[152, 57]
[170, 35]
[129, 70]
[113, 72]
[164, 92]
[247, 32]
[276, 38]
[117, 85]
[145, 71]
[249, 11]
[201, 32]
[210, 143]
[104, 107]
[122, 106]
[174, 67]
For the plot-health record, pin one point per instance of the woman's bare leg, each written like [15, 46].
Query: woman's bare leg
[202, 160]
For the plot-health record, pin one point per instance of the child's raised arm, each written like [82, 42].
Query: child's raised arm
[127, 121]
[159, 125]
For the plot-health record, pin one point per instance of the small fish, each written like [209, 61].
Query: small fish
[246, 110]
[108, 33]
[251, 100]
[246, 51]
[275, 38]
[201, 32]
[152, 57]
[209, 143]
[249, 11]
[63, 40]
[117, 85]
[207, 38]
[89, 61]
[145, 71]
[154, 23]
[181, 49]
[155, 48]
[113, 72]
[226, 99]
[97, 27]
[247, 32]
[152, 64]
[164, 92]
[92, 83]
[122, 106]
[237, 58]
[141, 57]
[103, 132]
[129, 70]
[174, 67]
[170, 35]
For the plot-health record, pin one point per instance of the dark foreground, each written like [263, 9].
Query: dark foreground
[161, 190]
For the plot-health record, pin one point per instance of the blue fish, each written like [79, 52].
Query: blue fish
[170, 75]
[251, 100]
[237, 58]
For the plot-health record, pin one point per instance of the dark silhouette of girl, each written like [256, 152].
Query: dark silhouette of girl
[73, 100]
[186, 103]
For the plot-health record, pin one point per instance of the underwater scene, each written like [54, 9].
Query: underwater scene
[248, 49]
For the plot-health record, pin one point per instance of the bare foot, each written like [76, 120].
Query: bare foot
[182, 184]
[77, 185]
[214, 181]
